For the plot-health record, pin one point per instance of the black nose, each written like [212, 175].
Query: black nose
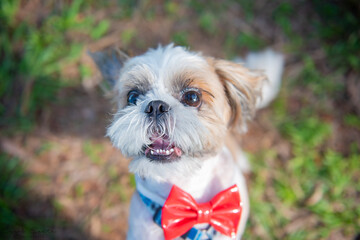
[156, 108]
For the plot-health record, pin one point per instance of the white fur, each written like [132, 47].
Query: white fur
[216, 174]
[200, 174]
[128, 131]
[272, 63]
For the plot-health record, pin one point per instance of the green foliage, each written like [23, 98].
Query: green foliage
[249, 41]
[180, 38]
[33, 57]
[93, 151]
[8, 10]
[12, 194]
[307, 133]
[100, 29]
[79, 190]
[312, 181]
[200, 6]
[171, 8]
[242, 42]
[132, 180]
[12, 175]
[207, 21]
[352, 120]
[248, 8]
[282, 16]
[335, 27]
[126, 8]
[338, 28]
[127, 36]
[105, 228]
[117, 189]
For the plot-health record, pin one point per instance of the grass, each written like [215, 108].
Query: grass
[34, 56]
[313, 194]
[180, 38]
[10, 191]
[311, 185]
[207, 22]
[127, 36]
[93, 151]
[13, 194]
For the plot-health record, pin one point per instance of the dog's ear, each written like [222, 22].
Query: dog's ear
[109, 62]
[242, 88]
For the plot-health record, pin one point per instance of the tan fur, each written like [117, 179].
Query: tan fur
[232, 144]
[241, 87]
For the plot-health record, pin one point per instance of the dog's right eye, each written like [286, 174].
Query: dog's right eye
[132, 97]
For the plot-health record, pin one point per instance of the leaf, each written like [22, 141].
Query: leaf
[100, 29]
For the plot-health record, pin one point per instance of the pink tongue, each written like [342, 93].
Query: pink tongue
[177, 151]
[159, 143]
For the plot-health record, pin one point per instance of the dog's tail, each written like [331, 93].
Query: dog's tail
[272, 63]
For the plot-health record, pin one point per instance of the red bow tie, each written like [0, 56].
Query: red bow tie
[181, 212]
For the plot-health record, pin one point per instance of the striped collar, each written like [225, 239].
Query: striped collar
[193, 234]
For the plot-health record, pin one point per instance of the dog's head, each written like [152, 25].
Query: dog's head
[175, 107]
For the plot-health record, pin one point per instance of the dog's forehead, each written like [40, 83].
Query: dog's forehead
[164, 67]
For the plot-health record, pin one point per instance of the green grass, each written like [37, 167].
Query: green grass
[11, 193]
[13, 224]
[352, 120]
[93, 151]
[33, 57]
[207, 22]
[127, 36]
[180, 38]
[340, 38]
[316, 183]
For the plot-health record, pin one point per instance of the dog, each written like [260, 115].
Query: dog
[177, 114]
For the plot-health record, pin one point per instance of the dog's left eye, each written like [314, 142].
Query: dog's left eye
[191, 98]
[132, 97]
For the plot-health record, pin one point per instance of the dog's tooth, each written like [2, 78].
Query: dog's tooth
[167, 152]
[172, 150]
[157, 150]
[152, 152]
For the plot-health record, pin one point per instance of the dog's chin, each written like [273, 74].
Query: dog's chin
[164, 168]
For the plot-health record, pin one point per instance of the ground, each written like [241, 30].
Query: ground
[62, 179]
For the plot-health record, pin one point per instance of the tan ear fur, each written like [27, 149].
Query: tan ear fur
[242, 88]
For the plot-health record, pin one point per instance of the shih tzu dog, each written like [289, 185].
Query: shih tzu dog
[177, 114]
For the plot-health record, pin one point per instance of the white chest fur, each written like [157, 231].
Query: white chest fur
[216, 174]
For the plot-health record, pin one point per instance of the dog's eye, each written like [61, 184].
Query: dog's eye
[191, 98]
[132, 97]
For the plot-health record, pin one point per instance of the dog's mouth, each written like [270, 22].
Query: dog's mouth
[163, 150]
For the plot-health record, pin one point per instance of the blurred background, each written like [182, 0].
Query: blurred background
[60, 178]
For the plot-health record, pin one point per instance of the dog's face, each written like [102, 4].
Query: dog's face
[176, 107]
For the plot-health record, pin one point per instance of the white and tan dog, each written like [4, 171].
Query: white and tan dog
[177, 113]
